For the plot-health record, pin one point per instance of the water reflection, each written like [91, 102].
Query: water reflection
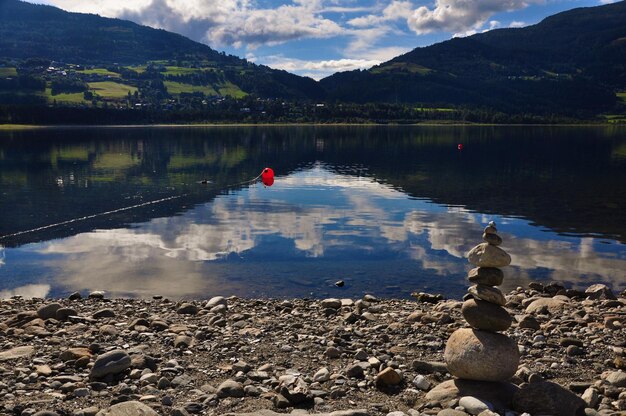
[388, 210]
[313, 214]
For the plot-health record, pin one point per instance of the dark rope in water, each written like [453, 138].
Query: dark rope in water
[115, 211]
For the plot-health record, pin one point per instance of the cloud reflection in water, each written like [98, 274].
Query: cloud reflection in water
[313, 215]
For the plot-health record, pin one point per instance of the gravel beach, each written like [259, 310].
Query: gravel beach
[89, 355]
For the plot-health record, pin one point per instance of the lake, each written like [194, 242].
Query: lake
[389, 210]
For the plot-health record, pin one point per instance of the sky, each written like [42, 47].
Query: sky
[317, 38]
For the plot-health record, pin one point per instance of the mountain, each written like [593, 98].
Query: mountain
[572, 61]
[36, 31]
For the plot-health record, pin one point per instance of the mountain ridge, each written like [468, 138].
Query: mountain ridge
[41, 31]
[573, 60]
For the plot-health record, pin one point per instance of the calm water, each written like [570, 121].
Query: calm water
[389, 210]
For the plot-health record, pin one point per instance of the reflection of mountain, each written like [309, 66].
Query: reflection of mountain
[569, 180]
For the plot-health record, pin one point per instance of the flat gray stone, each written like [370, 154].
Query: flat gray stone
[133, 408]
[486, 315]
[113, 362]
[486, 255]
[488, 294]
[17, 353]
[500, 395]
[547, 398]
[490, 276]
[552, 305]
[48, 311]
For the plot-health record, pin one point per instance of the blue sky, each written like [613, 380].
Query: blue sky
[319, 37]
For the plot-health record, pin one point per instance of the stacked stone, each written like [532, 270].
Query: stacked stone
[481, 353]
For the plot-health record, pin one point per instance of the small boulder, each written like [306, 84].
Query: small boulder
[480, 355]
[388, 377]
[552, 305]
[104, 313]
[48, 311]
[188, 309]
[331, 303]
[230, 388]
[547, 398]
[132, 408]
[599, 291]
[113, 362]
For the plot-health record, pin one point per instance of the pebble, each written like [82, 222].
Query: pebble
[474, 406]
[110, 363]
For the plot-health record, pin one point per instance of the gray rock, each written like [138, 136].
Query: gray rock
[216, 300]
[590, 396]
[489, 276]
[616, 378]
[88, 411]
[474, 405]
[230, 388]
[451, 412]
[96, 294]
[322, 375]
[113, 362]
[486, 315]
[188, 309]
[132, 408]
[552, 305]
[48, 311]
[104, 313]
[388, 377]
[421, 382]
[529, 322]
[331, 303]
[599, 291]
[480, 355]
[488, 294]
[429, 367]
[486, 255]
[547, 398]
[46, 413]
[500, 395]
[17, 353]
[75, 296]
[355, 371]
[182, 341]
[63, 314]
[332, 352]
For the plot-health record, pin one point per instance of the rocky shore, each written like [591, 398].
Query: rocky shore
[99, 356]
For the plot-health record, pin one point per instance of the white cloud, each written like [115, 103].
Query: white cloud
[516, 23]
[222, 22]
[608, 1]
[461, 16]
[27, 291]
[364, 59]
[394, 11]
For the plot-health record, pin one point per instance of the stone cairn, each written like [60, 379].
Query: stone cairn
[481, 353]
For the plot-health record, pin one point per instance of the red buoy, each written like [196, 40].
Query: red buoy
[460, 146]
[267, 176]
